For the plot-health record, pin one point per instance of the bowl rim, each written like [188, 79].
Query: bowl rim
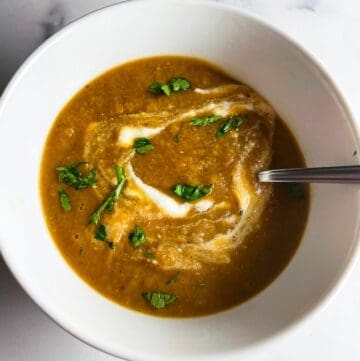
[343, 274]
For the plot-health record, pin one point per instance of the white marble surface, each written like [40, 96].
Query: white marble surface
[330, 29]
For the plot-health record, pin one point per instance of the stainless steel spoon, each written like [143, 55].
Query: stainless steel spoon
[341, 174]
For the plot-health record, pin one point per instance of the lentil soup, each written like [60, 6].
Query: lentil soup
[149, 188]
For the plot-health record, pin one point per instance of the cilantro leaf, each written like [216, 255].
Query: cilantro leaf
[101, 233]
[156, 88]
[143, 145]
[173, 85]
[159, 299]
[296, 190]
[228, 124]
[70, 175]
[191, 192]
[108, 203]
[166, 89]
[204, 121]
[138, 237]
[179, 84]
[64, 200]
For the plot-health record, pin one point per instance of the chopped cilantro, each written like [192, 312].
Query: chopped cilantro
[159, 299]
[70, 175]
[173, 85]
[156, 88]
[179, 84]
[204, 121]
[101, 236]
[138, 237]
[143, 145]
[166, 89]
[64, 200]
[108, 203]
[191, 192]
[228, 124]
[101, 233]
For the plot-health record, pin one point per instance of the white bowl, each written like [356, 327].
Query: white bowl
[251, 51]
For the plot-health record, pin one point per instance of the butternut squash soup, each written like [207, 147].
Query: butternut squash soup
[149, 187]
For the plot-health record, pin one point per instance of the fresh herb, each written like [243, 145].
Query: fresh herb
[165, 88]
[156, 88]
[143, 145]
[191, 192]
[172, 279]
[138, 237]
[101, 236]
[296, 190]
[204, 121]
[228, 124]
[149, 255]
[64, 200]
[70, 175]
[179, 84]
[101, 233]
[108, 203]
[159, 299]
[177, 138]
[160, 89]
[174, 85]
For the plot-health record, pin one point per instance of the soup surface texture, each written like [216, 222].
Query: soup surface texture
[166, 216]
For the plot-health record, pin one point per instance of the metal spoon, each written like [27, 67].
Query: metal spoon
[341, 174]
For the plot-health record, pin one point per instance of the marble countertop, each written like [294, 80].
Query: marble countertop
[330, 30]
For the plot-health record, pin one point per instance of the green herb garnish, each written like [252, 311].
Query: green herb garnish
[156, 88]
[177, 138]
[191, 192]
[159, 299]
[174, 85]
[101, 236]
[64, 200]
[172, 279]
[149, 255]
[70, 175]
[108, 203]
[143, 145]
[228, 124]
[179, 84]
[296, 190]
[204, 121]
[138, 237]
[101, 233]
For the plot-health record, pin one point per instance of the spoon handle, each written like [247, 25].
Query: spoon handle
[341, 174]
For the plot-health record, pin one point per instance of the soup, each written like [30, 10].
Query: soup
[149, 187]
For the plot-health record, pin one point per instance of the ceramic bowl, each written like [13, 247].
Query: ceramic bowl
[251, 51]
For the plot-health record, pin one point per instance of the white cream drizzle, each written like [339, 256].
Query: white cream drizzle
[167, 204]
